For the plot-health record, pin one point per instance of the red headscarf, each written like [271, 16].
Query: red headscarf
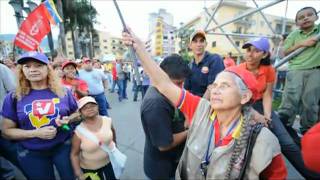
[248, 78]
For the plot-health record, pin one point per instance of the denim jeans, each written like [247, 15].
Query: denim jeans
[136, 91]
[9, 151]
[142, 88]
[114, 83]
[134, 85]
[6, 169]
[125, 82]
[102, 103]
[38, 164]
[288, 147]
[121, 85]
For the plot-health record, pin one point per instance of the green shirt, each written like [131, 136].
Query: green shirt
[310, 57]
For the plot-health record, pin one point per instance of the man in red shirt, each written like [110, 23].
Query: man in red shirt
[114, 76]
[228, 61]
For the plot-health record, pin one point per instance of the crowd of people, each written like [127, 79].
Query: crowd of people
[210, 118]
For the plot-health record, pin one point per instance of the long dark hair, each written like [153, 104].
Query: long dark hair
[266, 61]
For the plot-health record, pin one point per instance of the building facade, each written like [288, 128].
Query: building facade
[103, 43]
[161, 39]
[253, 24]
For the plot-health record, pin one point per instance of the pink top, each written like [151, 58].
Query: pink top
[91, 155]
[228, 62]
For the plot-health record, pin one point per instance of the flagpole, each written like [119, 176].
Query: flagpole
[132, 53]
[14, 52]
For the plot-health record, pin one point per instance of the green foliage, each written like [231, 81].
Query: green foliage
[184, 35]
[79, 14]
[276, 103]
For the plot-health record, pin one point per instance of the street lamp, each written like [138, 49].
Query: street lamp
[32, 5]
[17, 7]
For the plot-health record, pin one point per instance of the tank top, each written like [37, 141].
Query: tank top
[92, 157]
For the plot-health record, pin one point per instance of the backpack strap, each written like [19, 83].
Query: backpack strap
[93, 138]
[254, 132]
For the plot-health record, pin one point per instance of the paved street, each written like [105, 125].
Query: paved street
[130, 136]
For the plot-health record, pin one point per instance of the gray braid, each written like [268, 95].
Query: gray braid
[241, 143]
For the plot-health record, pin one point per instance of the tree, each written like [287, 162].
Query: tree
[183, 34]
[79, 16]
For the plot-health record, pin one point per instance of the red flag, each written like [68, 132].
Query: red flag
[33, 29]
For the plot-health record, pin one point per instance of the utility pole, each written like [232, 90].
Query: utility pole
[62, 35]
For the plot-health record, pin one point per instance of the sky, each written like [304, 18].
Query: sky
[136, 13]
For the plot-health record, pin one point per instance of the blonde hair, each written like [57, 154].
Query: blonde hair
[24, 85]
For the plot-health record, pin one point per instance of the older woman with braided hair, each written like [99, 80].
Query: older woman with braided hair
[220, 128]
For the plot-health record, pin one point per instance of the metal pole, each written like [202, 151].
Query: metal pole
[265, 19]
[246, 14]
[242, 35]
[222, 30]
[293, 54]
[132, 53]
[62, 33]
[213, 14]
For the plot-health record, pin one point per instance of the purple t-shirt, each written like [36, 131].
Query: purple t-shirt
[38, 109]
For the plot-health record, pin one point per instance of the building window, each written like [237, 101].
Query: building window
[69, 39]
[113, 41]
[70, 53]
[238, 43]
[239, 30]
[213, 44]
[106, 47]
[278, 28]
[113, 47]
[69, 46]
[288, 28]
[261, 23]
[105, 40]
[165, 37]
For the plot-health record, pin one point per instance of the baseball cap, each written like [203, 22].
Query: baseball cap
[66, 63]
[260, 43]
[33, 55]
[198, 33]
[85, 100]
[248, 78]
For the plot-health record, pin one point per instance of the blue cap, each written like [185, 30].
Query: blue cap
[33, 55]
[260, 43]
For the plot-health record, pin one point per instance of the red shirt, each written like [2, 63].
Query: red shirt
[114, 72]
[310, 144]
[80, 84]
[188, 104]
[265, 75]
[228, 62]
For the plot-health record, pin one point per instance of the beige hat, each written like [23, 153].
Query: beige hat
[198, 32]
[85, 100]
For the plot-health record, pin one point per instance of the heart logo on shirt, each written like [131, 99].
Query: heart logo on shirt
[205, 69]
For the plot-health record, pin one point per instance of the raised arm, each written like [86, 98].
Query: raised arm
[158, 77]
